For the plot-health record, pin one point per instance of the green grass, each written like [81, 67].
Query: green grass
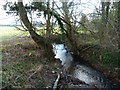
[15, 75]
[86, 32]
[9, 33]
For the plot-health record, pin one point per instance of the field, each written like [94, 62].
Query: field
[10, 33]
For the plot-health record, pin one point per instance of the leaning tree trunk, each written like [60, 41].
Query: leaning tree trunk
[41, 41]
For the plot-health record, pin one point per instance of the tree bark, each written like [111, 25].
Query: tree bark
[105, 12]
[48, 27]
[41, 41]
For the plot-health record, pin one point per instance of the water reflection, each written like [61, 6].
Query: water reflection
[90, 76]
[80, 71]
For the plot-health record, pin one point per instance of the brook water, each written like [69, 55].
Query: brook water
[80, 71]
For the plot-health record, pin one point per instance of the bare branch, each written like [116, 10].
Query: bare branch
[56, 82]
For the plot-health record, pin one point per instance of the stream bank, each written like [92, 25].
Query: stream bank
[25, 66]
[82, 72]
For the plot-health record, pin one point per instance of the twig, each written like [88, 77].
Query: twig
[20, 29]
[56, 82]
[85, 49]
[38, 69]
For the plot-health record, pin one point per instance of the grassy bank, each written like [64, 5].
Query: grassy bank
[106, 61]
[23, 62]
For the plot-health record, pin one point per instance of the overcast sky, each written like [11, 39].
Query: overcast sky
[6, 19]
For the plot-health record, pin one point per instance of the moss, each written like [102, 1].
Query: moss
[111, 58]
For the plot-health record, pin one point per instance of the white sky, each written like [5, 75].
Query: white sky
[10, 19]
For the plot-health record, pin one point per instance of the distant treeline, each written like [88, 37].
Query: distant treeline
[9, 25]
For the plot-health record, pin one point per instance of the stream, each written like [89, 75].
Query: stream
[80, 71]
